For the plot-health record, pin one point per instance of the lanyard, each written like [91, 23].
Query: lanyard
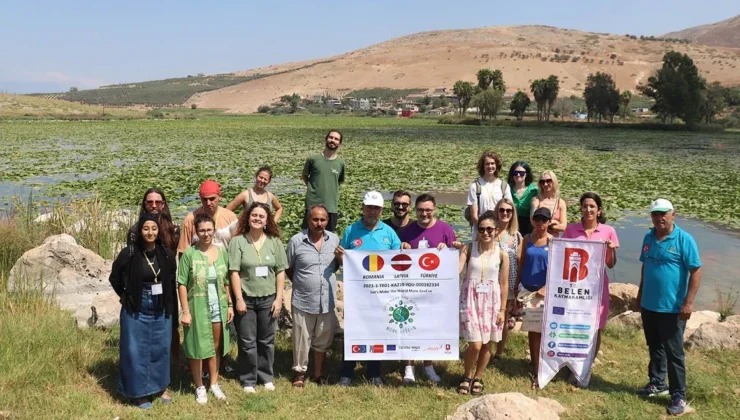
[151, 267]
[484, 262]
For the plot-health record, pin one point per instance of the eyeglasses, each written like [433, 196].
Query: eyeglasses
[541, 219]
[424, 210]
[545, 181]
[489, 230]
[505, 211]
[519, 173]
[154, 202]
[205, 231]
[658, 213]
[401, 205]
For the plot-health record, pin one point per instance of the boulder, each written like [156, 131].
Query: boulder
[73, 276]
[629, 319]
[699, 318]
[285, 320]
[510, 405]
[716, 335]
[623, 297]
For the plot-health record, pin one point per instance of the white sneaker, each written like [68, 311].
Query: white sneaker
[345, 381]
[269, 386]
[200, 395]
[408, 375]
[216, 391]
[249, 389]
[431, 374]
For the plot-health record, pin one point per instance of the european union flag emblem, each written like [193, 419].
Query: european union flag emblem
[558, 310]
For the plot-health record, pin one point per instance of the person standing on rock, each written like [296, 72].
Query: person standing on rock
[259, 193]
[670, 278]
[226, 220]
[145, 282]
[257, 264]
[485, 192]
[322, 174]
[369, 233]
[400, 206]
[426, 232]
[206, 306]
[312, 266]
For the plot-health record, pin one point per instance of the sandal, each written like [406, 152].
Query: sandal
[299, 380]
[321, 380]
[511, 323]
[476, 387]
[533, 381]
[165, 397]
[464, 387]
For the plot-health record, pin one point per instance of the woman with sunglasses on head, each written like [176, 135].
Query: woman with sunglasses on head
[483, 296]
[206, 306]
[549, 198]
[523, 190]
[257, 264]
[510, 241]
[145, 281]
[532, 278]
[593, 227]
[258, 194]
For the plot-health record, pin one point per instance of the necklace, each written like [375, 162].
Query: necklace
[151, 267]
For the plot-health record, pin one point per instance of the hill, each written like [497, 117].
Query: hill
[20, 106]
[720, 34]
[437, 59]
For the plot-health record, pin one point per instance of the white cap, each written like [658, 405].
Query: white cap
[373, 198]
[661, 204]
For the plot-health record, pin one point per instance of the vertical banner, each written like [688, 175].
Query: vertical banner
[572, 303]
[401, 305]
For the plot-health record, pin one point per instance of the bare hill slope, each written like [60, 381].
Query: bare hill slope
[719, 34]
[437, 59]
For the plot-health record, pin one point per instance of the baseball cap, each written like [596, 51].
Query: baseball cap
[661, 204]
[542, 212]
[373, 198]
[209, 187]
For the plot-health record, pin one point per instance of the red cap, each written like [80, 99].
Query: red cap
[209, 187]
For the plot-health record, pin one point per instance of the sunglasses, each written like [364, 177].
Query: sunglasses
[401, 205]
[541, 219]
[519, 173]
[155, 202]
[506, 211]
[545, 181]
[489, 230]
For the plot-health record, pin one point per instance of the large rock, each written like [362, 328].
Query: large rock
[623, 297]
[630, 319]
[285, 320]
[75, 277]
[716, 335]
[698, 319]
[507, 406]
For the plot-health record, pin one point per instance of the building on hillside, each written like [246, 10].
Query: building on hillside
[361, 104]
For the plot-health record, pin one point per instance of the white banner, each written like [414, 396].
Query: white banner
[572, 303]
[401, 305]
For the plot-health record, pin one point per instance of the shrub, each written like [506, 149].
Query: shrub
[193, 106]
[263, 109]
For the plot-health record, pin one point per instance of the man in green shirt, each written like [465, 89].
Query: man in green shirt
[322, 174]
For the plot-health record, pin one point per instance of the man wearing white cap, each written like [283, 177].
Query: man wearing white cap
[367, 234]
[671, 274]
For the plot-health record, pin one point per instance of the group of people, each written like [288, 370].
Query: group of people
[224, 268]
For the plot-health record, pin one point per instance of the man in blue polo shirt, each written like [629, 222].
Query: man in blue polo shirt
[367, 234]
[671, 274]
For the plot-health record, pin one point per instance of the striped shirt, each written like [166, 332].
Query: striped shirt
[314, 279]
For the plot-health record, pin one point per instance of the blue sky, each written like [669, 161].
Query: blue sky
[53, 45]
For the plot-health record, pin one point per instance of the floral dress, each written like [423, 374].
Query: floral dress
[480, 297]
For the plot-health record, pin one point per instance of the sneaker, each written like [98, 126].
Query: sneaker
[229, 369]
[408, 375]
[652, 390]
[679, 407]
[144, 404]
[249, 389]
[269, 386]
[216, 391]
[377, 381]
[345, 381]
[200, 395]
[431, 374]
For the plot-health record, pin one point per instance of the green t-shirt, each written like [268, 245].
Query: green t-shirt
[245, 258]
[524, 203]
[324, 176]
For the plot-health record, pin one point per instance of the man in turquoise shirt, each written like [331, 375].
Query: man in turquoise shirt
[367, 234]
[671, 274]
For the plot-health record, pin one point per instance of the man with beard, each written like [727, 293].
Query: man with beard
[400, 207]
[322, 174]
[426, 232]
[367, 234]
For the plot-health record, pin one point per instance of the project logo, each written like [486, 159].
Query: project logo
[401, 312]
[574, 264]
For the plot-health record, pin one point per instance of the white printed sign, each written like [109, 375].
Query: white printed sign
[572, 303]
[401, 305]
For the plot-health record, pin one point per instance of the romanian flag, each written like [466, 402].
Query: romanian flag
[372, 263]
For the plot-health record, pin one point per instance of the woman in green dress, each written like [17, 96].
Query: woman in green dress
[206, 306]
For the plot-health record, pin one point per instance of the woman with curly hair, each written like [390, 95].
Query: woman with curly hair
[257, 264]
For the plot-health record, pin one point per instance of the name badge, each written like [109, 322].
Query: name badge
[157, 289]
[483, 288]
[423, 244]
[261, 271]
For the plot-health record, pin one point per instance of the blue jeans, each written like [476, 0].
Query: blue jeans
[664, 337]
